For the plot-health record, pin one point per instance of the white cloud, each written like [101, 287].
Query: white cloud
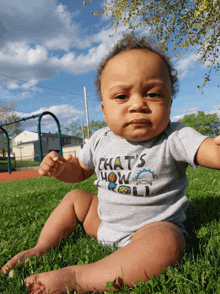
[183, 64]
[83, 63]
[25, 95]
[188, 111]
[109, 13]
[35, 63]
[58, 43]
[26, 51]
[24, 6]
[33, 32]
[63, 14]
[40, 22]
[177, 117]
[65, 114]
[192, 110]
[28, 85]
[215, 109]
[36, 55]
[12, 85]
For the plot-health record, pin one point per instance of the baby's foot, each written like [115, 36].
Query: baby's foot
[20, 258]
[53, 282]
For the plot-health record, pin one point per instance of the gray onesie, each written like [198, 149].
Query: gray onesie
[140, 182]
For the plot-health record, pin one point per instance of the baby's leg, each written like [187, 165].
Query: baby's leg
[76, 205]
[152, 249]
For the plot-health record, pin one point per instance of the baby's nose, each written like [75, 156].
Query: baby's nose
[138, 103]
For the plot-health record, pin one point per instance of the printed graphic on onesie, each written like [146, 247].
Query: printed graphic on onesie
[118, 171]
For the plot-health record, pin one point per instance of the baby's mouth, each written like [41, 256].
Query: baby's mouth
[140, 122]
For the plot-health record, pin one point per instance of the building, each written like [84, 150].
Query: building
[25, 145]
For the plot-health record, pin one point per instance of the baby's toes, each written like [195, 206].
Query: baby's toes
[34, 286]
[12, 262]
[7, 267]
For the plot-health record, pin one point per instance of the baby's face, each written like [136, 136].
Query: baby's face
[136, 95]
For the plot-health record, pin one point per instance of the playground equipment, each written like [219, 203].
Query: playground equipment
[39, 134]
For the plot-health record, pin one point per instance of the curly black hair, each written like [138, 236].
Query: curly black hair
[129, 42]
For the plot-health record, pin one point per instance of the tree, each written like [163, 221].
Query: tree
[75, 128]
[7, 114]
[206, 124]
[183, 23]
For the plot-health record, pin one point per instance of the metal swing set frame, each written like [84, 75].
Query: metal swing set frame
[39, 134]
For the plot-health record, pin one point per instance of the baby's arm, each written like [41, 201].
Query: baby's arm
[67, 169]
[208, 154]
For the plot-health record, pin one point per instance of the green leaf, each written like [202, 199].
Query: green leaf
[194, 25]
[4, 251]
[208, 125]
[108, 285]
[80, 262]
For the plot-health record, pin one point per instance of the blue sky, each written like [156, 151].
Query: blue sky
[54, 47]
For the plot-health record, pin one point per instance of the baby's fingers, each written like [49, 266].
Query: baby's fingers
[50, 164]
[68, 157]
[46, 168]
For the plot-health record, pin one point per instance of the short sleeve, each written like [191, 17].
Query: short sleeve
[184, 143]
[86, 154]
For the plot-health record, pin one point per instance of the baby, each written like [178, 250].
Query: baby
[140, 161]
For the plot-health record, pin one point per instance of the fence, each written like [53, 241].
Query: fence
[36, 157]
[4, 163]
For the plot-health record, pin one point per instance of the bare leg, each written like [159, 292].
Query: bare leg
[76, 205]
[152, 249]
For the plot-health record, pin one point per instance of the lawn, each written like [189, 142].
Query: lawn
[4, 165]
[27, 163]
[25, 205]
[18, 163]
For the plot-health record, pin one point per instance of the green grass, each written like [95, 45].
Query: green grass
[4, 165]
[27, 163]
[18, 163]
[25, 205]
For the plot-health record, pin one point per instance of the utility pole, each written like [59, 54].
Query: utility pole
[87, 115]
[83, 135]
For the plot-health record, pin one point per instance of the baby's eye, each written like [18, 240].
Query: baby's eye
[155, 95]
[121, 97]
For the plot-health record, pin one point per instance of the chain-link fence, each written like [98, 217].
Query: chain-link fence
[4, 163]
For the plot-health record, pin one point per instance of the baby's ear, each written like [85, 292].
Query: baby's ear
[103, 109]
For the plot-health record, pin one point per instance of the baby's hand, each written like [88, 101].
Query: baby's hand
[53, 164]
[217, 140]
